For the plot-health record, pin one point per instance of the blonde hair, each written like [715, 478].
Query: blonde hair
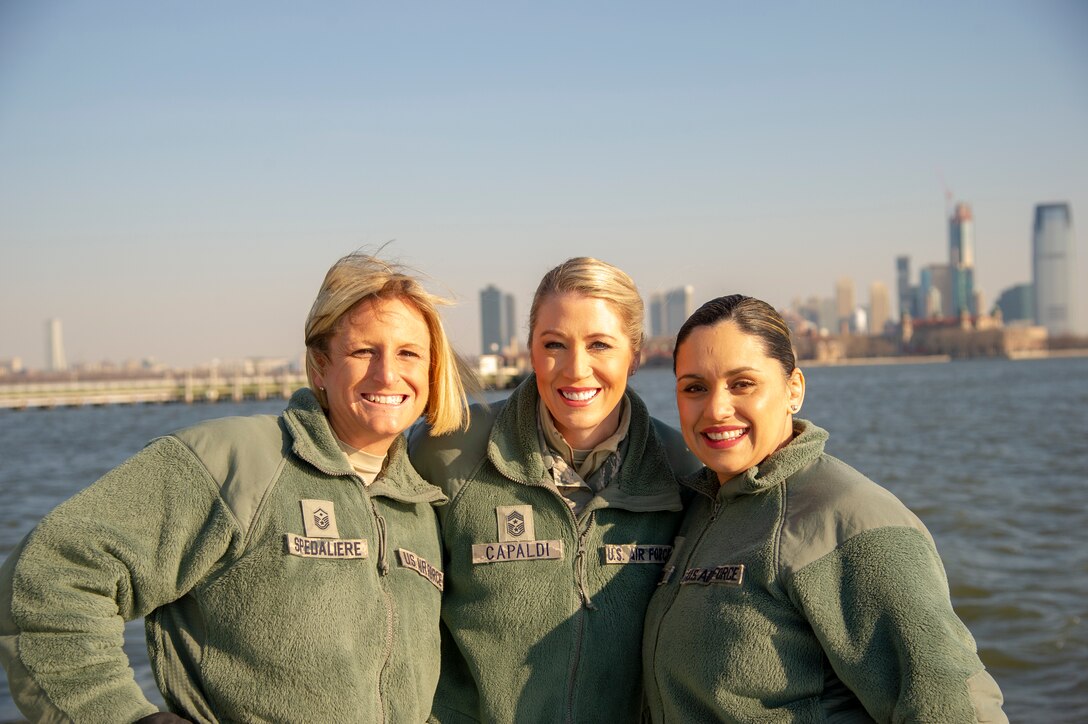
[599, 279]
[359, 277]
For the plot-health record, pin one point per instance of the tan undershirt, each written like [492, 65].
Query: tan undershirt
[366, 465]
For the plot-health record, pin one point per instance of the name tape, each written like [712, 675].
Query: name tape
[731, 575]
[408, 559]
[532, 550]
[346, 548]
[633, 553]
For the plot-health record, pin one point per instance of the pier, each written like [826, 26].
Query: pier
[169, 388]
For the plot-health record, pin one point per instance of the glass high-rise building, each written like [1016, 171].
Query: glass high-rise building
[961, 236]
[1052, 268]
[679, 304]
[1017, 304]
[498, 328]
[903, 288]
[960, 297]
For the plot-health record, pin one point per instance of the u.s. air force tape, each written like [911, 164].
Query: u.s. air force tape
[634, 553]
[304, 547]
[530, 550]
[408, 559]
[731, 575]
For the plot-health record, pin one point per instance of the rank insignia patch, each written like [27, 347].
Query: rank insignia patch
[319, 519]
[515, 523]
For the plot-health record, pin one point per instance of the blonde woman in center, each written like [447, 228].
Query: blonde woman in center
[564, 500]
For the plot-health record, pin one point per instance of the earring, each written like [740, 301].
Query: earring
[794, 408]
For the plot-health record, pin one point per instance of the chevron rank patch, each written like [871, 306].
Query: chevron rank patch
[319, 519]
[515, 523]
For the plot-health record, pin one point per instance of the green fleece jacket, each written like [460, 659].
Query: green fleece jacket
[275, 586]
[802, 591]
[542, 613]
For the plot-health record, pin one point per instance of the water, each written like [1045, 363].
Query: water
[991, 454]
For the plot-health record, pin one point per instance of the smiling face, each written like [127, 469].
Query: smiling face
[375, 373]
[582, 358]
[734, 400]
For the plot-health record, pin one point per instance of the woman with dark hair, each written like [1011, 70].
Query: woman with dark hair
[802, 591]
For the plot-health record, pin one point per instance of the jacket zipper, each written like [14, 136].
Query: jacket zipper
[383, 570]
[681, 567]
[587, 605]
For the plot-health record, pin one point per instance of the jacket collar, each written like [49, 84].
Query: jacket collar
[314, 442]
[644, 482]
[806, 445]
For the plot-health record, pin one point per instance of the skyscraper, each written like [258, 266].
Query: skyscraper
[54, 346]
[1052, 268]
[498, 326]
[960, 295]
[1017, 303]
[961, 236]
[657, 315]
[878, 307]
[678, 307]
[845, 302]
[902, 286]
[935, 287]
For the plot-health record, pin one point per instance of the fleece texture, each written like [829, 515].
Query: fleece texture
[195, 534]
[803, 591]
[547, 639]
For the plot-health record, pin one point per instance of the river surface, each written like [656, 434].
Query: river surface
[991, 454]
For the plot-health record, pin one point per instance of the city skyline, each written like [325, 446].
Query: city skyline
[176, 180]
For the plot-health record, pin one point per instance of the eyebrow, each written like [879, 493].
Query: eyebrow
[730, 373]
[591, 335]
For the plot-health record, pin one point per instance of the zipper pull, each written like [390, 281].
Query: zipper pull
[383, 564]
[582, 555]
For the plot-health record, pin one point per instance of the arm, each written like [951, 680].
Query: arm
[138, 538]
[879, 604]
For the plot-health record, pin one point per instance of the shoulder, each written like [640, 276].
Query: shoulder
[442, 458]
[230, 441]
[829, 503]
[681, 460]
[242, 455]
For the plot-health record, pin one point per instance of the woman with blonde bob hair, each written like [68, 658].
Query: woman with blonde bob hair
[564, 502]
[289, 567]
[357, 277]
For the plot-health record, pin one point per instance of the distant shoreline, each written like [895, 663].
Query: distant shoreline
[938, 358]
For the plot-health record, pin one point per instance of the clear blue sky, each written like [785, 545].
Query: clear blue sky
[176, 177]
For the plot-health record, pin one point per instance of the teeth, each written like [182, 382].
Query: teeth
[385, 399]
[726, 435]
[579, 396]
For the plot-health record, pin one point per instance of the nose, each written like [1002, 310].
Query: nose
[384, 369]
[578, 367]
[721, 404]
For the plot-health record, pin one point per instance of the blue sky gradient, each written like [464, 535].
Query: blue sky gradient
[176, 177]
